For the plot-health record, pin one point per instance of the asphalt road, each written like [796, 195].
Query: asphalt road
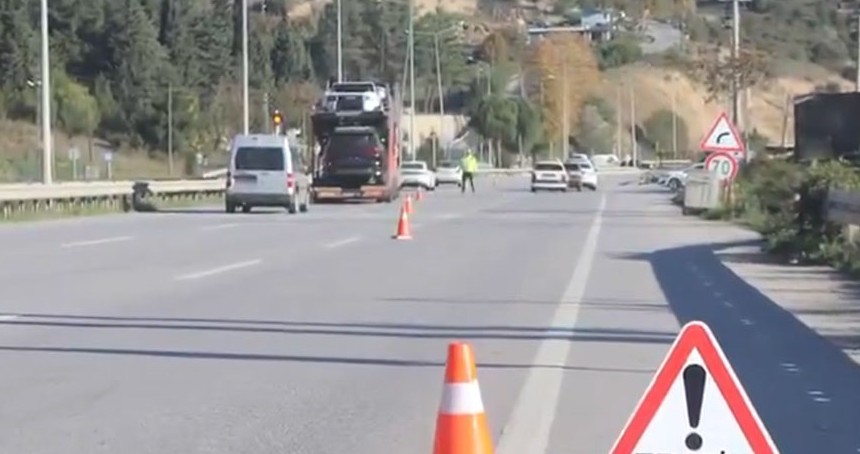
[201, 332]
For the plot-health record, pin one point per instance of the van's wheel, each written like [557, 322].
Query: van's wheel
[246, 208]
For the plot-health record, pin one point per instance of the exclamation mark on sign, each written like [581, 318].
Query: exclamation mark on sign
[694, 387]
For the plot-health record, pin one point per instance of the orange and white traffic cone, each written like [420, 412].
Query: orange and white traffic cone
[419, 196]
[403, 230]
[461, 426]
[408, 205]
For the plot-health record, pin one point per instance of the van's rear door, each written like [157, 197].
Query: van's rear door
[260, 170]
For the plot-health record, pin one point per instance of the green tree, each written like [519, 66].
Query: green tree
[137, 80]
[659, 131]
[291, 61]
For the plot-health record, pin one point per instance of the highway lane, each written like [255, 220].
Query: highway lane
[314, 349]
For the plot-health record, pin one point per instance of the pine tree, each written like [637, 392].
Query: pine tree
[138, 61]
[290, 59]
[18, 50]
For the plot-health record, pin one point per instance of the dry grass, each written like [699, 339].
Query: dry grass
[20, 151]
[654, 88]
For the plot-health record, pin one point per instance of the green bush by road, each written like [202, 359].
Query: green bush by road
[784, 202]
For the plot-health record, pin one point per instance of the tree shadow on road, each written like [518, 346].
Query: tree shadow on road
[698, 286]
[287, 328]
[391, 330]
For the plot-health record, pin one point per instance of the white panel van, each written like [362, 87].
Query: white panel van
[264, 172]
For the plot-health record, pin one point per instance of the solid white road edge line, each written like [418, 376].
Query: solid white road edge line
[219, 270]
[115, 239]
[528, 429]
[6, 318]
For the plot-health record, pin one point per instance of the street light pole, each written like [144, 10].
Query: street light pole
[412, 150]
[47, 139]
[245, 103]
[736, 45]
[339, 42]
[564, 117]
[170, 129]
[441, 95]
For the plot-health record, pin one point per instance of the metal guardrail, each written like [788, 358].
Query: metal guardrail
[112, 195]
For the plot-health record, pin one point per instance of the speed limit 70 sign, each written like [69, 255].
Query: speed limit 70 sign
[722, 165]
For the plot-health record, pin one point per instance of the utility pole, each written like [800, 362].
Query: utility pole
[441, 95]
[565, 134]
[339, 42]
[47, 138]
[736, 46]
[266, 113]
[412, 150]
[618, 122]
[633, 140]
[674, 122]
[245, 103]
[170, 129]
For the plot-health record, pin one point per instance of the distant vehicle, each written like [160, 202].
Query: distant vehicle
[449, 172]
[355, 97]
[589, 175]
[574, 175]
[359, 152]
[550, 176]
[264, 171]
[579, 157]
[417, 174]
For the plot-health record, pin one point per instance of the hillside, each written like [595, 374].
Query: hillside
[654, 87]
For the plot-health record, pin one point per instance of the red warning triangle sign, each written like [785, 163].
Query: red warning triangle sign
[723, 136]
[695, 403]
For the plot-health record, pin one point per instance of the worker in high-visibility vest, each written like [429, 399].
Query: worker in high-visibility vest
[469, 164]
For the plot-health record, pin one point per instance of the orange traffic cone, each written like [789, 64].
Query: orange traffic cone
[408, 204]
[461, 427]
[420, 195]
[403, 230]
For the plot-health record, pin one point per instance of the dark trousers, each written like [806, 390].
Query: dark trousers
[467, 176]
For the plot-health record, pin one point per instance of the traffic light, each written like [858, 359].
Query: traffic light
[277, 118]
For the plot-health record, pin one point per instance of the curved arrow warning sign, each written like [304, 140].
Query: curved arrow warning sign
[695, 404]
[723, 136]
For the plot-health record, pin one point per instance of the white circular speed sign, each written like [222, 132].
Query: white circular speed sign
[723, 166]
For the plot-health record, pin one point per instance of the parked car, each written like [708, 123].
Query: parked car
[417, 174]
[549, 176]
[675, 180]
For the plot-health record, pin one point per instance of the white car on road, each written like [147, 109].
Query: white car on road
[549, 176]
[448, 172]
[417, 174]
[589, 175]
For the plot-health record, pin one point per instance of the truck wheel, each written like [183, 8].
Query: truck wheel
[246, 208]
[230, 207]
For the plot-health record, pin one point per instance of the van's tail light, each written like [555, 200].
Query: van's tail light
[291, 181]
[229, 179]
